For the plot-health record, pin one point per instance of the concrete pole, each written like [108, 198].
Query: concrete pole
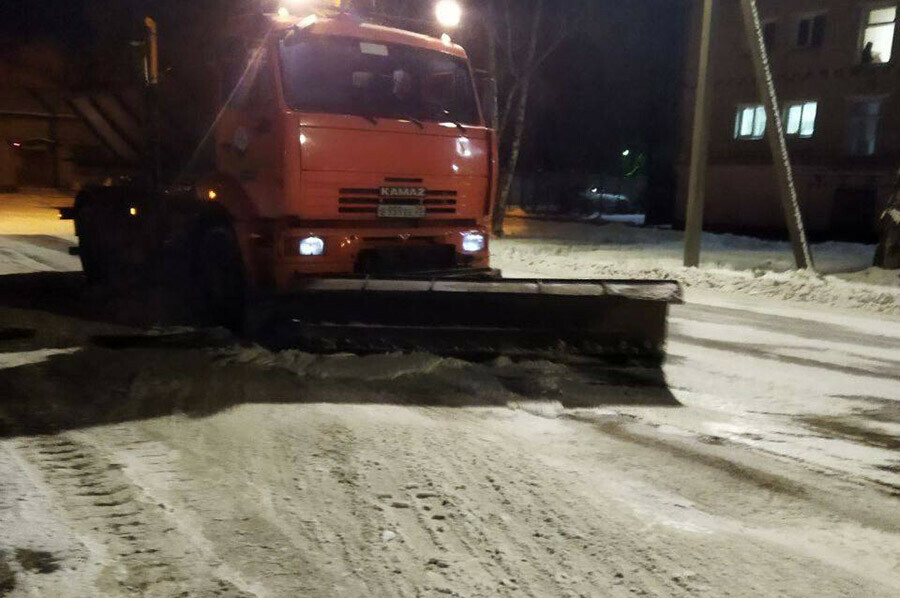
[699, 145]
[775, 134]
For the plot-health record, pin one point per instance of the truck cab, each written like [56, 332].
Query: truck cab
[347, 148]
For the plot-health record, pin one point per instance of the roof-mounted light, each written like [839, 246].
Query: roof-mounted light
[298, 8]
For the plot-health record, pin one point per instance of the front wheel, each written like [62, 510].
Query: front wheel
[220, 283]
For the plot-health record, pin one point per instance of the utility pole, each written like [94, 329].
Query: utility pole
[699, 145]
[775, 134]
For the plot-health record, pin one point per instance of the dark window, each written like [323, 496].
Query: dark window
[818, 32]
[865, 116]
[811, 31]
[343, 75]
[770, 32]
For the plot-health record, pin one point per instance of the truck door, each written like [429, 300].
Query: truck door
[250, 134]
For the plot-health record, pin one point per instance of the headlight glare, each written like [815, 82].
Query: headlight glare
[312, 246]
[473, 242]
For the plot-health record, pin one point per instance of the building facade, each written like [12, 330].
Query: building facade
[836, 74]
[44, 142]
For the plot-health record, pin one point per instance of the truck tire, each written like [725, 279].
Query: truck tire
[220, 282]
[95, 259]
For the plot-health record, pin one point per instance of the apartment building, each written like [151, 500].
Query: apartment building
[836, 73]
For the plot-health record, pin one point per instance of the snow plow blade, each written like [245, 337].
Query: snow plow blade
[614, 319]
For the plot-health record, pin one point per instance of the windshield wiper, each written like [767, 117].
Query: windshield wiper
[369, 118]
[453, 121]
[414, 121]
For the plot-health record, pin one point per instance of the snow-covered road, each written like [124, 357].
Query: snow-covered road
[768, 467]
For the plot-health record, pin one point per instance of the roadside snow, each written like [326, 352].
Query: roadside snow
[23, 254]
[15, 360]
[34, 238]
[731, 263]
[35, 213]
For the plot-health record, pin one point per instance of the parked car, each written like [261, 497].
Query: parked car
[595, 199]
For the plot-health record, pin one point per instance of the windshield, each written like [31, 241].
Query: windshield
[351, 76]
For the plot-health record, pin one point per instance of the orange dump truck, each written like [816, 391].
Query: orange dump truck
[353, 184]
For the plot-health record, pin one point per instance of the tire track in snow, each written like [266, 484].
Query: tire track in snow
[553, 530]
[153, 557]
[431, 540]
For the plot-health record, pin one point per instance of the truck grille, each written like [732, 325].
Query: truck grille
[366, 201]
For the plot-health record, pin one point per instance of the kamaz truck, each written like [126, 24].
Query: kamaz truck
[349, 200]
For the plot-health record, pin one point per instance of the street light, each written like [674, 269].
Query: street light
[448, 12]
[626, 153]
[294, 7]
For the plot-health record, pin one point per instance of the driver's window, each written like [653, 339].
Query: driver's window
[438, 87]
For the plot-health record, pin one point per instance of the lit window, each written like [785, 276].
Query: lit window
[811, 31]
[878, 35]
[750, 122]
[863, 127]
[800, 119]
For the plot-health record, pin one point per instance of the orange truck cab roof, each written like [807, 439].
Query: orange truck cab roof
[345, 25]
[348, 26]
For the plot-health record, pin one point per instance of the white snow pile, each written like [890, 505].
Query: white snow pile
[729, 263]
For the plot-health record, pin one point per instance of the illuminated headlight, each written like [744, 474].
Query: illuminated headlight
[311, 246]
[473, 242]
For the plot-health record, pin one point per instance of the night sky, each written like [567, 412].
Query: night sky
[608, 87]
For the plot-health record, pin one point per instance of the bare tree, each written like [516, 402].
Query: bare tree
[887, 253]
[518, 38]
[523, 37]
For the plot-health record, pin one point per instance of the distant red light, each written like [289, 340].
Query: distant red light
[16, 144]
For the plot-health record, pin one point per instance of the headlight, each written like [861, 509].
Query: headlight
[311, 246]
[473, 242]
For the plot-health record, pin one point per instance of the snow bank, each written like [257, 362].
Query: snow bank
[730, 263]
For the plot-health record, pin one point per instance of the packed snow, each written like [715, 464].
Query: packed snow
[730, 264]
[762, 459]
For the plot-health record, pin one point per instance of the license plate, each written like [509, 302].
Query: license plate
[389, 211]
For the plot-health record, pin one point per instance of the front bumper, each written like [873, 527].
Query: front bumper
[349, 252]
